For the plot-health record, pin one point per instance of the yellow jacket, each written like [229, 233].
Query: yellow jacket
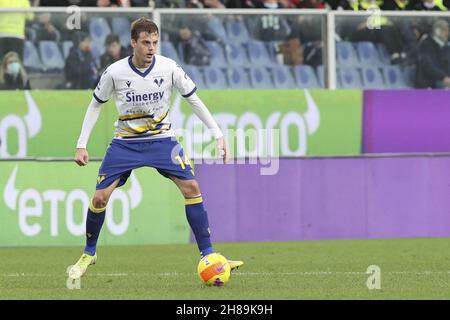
[13, 24]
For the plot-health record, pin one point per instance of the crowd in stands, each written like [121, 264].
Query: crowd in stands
[420, 44]
[436, 5]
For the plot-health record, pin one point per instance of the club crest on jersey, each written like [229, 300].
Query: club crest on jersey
[159, 82]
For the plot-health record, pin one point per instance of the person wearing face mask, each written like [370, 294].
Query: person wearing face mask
[12, 74]
[81, 69]
[433, 68]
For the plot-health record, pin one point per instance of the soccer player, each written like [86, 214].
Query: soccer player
[142, 85]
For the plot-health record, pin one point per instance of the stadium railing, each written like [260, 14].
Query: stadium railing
[252, 41]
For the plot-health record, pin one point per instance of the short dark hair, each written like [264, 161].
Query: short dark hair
[80, 36]
[143, 25]
[111, 38]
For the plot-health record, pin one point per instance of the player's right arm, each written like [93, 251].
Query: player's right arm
[90, 118]
[102, 93]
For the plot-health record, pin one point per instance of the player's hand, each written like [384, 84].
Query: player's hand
[81, 157]
[223, 150]
[446, 82]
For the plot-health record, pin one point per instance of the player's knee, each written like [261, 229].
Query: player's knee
[100, 201]
[191, 188]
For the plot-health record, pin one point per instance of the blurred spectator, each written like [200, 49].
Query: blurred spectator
[44, 28]
[12, 73]
[80, 69]
[433, 69]
[307, 29]
[194, 4]
[396, 5]
[213, 4]
[167, 3]
[358, 4]
[114, 52]
[431, 5]
[12, 27]
[135, 3]
[423, 25]
[408, 27]
[191, 33]
[269, 27]
[239, 3]
[66, 3]
[379, 29]
[333, 4]
[195, 50]
[107, 3]
[309, 4]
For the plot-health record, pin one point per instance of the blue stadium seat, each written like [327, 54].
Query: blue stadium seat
[215, 78]
[97, 49]
[346, 54]
[320, 72]
[237, 31]
[236, 54]
[31, 59]
[305, 77]
[180, 51]
[409, 73]
[394, 77]
[51, 56]
[195, 74]
[122, 27]
[216, 25]
[99, 29]
[372, 78]
[238, 78]
[260, 78]
[258, 54]
[168, 50]
[282, 77]
[383, 54]
[217, 54]
[272, 48]
[368, 54]
[66, 46]
[348, 78]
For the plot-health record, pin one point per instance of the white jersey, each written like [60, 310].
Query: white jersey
[142, 97]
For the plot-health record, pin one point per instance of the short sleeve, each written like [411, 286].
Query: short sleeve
[182, 82]
[104, 88]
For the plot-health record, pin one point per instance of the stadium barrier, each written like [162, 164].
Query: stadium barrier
[44, 203]
[324, 197]
[48, 123]
[310, 198]
[406, 121]
[311, 123]
[362, 197]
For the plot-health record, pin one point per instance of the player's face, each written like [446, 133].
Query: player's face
[145, 46]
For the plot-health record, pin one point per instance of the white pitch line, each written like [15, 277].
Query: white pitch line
[172, 274]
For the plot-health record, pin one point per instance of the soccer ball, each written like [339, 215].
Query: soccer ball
[214, 270]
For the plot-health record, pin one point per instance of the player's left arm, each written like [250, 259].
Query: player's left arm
[202, 112]
[187, 88]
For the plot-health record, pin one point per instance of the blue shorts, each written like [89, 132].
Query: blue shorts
[122, 156]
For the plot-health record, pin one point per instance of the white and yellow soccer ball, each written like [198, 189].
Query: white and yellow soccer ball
[214, 270]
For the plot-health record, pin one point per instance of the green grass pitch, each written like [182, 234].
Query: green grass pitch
[410, 269]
